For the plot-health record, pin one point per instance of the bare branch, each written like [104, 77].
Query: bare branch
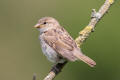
[95, 18]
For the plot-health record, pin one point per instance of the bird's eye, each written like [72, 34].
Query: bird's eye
[45, 23]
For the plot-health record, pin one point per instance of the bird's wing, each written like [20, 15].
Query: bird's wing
[61, 42]
[65, 46]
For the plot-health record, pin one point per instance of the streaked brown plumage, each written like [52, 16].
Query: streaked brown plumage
[57, 44]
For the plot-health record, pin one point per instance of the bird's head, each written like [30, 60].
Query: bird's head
[46, 23]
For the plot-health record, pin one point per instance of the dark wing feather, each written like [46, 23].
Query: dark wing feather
[61, 42]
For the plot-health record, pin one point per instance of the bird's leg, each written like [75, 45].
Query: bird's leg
[58, 67]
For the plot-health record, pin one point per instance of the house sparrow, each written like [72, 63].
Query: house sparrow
[56, 43]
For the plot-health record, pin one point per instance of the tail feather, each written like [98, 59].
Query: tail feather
[85, 59]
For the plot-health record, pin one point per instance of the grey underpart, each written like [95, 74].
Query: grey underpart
[50, 53]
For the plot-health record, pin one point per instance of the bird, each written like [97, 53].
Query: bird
[57, 44]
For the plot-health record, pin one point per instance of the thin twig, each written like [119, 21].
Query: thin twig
[34, 76]
[84, 34]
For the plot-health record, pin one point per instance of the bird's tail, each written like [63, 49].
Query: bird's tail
[85, 59]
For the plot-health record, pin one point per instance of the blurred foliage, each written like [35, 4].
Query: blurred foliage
[20, 52]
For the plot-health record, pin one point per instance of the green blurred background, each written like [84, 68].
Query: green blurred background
[20, 52]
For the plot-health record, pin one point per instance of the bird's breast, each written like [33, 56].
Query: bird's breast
[48, 51]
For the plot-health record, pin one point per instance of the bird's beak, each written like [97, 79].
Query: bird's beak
[37, 26]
